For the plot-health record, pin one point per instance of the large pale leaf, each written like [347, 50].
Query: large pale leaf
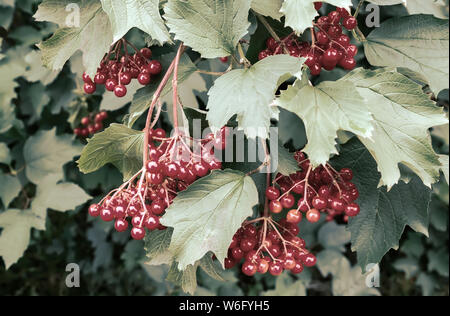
[403, 114]
[5, 155]
[268, 8]
[418, 42]
[300, 14]
[46, 153]
[9, 188]
[15, 236]
[119, 145]
[206, 216]
[325, 109]
[384, 215]
[211, 27]
[93, 36]
[57, 196]
[435, 7]
[249, 92]
[143, 14]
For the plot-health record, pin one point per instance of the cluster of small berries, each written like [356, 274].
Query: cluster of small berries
[91, 124]
[272, 247]
[322, 190]
[118, 72]
[172, 166]
[329, 47]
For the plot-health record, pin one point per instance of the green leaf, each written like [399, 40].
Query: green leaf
[157, 247]
[329, 262]
[435, 7]
[336, 105]
[384, 215]
[118, 145]
[409, 265]
[46, 154]
[413, 245]
[300, 14]
[9, 189]
[93, 36]
[286, 286]
[428, 283]
[418, 42]
[57, 196]
[249, 93]
[334, 236]
[211, 27]
[286, 164]
[438, 261]
[15, 236]
[5, 155]
[36, 71]
[268, 8]
[34, 98]
[143, 97]
[186, 279]
[143, 14]
[444, 161]
[103, 254]
[403, 114]
[207, 215]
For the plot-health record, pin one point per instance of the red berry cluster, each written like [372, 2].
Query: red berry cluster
[272, 247]
[172, 166]
[91, 124]
[116, 71]
[320, 190]
[329, 47]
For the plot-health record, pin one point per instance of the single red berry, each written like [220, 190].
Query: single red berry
[275, 268]
[350, 23]
[107, 214]
[319, 203]
[100, 78]
[352, 210]
[348, 63]
[146, 52]
[237, 253]
[263, 266]
[152, 222]
[154, 67]
[297, 269]
[352, 50]
[87, 79]
[111, 84]
[138, 233]
[249, 268]
[125, 78]
[335, 31]
[287, 201]
[275, 207]
[334, 17]
[94, 210]
[337, 204]
[313, 215]
[294, 217]
[344, 40]
[144, 79]
[330, 57]
[229, 263]
[120, 91]
[121, 225]
[85, 121]
[272, 193]
[224, 59]
[322, 38]
[309, 260]
[89, 88]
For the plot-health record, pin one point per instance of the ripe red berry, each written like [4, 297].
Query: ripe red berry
[297, 269]
[272, 193]
[121, 225]
[89, 88]
[154, 67]
[125, 78]
[249, 268]
[348, 63]
[313, 215]
[287, 201]
[275, 207]
[275, 268]
[352, 210]
[146, 52]
[138, 233]
[94, 210]
[100, 78]
[319, 203]
[224, 60]
[318, 5]
[352, 50]
[87, 79]
[144, 79]
[350, 23]
[294, 217]
[309, 260]
[111, 84]
[120, 91]
[152, 222]
[263, 266]
[107, 214]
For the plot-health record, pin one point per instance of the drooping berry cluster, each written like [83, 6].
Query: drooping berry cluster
[118, 69]
[329, 46]
[322, 190]
[174, 163]
[91, 124]
[272, 247]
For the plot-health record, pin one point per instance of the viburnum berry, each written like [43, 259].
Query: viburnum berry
[272, 193]
[350, 23]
